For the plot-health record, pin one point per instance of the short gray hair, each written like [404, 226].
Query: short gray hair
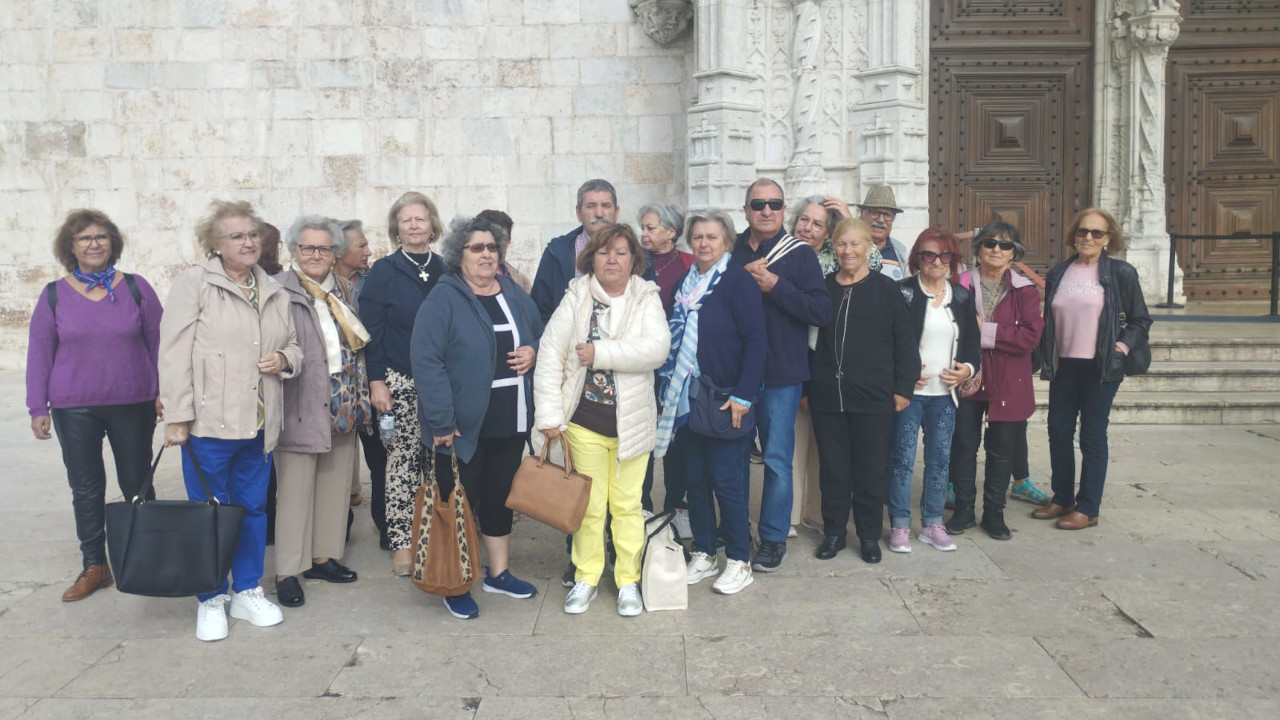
[670, 215]
[763, 181]
[316, 222]
[716, 216]
[596, 185]
[460, 231]
[833, 218]
[347, 226]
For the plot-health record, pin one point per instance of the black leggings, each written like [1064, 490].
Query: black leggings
[486, 480]
[129, 429]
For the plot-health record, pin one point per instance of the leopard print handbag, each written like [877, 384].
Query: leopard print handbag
[445, 541]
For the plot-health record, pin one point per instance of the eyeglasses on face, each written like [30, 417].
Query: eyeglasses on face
[932, 257]
[314, 250]
[1005, 245]
[241, 238]
[759, 204]
[883, 213]
[87, 240]
[480, 248]
[1096, 234]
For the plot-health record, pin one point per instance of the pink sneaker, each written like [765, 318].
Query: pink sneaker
[936, 535]
[900, 540]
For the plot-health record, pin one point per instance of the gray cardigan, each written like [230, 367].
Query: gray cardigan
[452, 353]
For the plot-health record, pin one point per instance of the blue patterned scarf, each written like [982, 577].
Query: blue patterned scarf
[682, 361]
[105, 279]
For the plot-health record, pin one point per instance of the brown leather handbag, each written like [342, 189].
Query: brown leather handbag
[549, 493]
[446, 546]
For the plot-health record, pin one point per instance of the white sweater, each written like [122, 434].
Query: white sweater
[634, 341]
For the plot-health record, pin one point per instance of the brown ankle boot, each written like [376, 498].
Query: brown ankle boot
[92, 578]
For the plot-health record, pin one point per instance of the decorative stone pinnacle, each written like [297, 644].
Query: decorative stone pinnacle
[663, 20]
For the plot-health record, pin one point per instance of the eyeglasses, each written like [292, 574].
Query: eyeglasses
[1005, 245]
[883, 213]
[480, 248]
[314, 250]
[242, 238]
[1082, 233]
[775, 204]
[87, 240]
[932, 257]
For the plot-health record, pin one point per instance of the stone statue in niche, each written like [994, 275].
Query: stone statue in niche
[805, 168]
[663, 20]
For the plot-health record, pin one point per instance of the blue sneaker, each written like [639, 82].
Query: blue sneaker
[462, 607]
[509, 585]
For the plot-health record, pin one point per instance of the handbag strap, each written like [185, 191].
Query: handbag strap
[666, 519]
[208, 492]
[145, 490]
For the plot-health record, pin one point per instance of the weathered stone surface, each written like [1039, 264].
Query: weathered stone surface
[1068, 708]
[321, 708]
[33, 667]
[1244, 609]
[1173, 668]
[1013, 607]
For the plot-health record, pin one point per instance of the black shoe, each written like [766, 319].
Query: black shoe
[289, 592]
[384, 540]
[961, 520]
[993, 523]
[870, 551]
[769, 556]
[831, 544]
[570, 576]
[331, 571]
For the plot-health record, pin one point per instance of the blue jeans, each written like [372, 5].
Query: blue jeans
[237, 472]
[936, 414]
[777, 406]
[718, 471]
[1077, 390]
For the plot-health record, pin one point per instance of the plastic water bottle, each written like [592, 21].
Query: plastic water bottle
[387, 428]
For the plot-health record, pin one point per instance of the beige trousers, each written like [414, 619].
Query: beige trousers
[312, 498]
[806, 498]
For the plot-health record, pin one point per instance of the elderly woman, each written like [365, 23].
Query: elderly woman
[946, 332]
[864, 370]
[317, 450]
[717, 334]
[594, 384]
[91, 372]
[473, 346]
[393, 291]
[1007, 307]
[1094, 317]
[226, 342]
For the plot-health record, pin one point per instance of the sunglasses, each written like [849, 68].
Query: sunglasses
[1082, 233]
[930, 256]
[775, 204]
[479, 248]
[1005, 245]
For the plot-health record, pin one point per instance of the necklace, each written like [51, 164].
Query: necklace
[422, 267]
[253, 282]
[675, 255]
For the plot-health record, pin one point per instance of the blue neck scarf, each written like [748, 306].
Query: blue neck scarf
[105, 279]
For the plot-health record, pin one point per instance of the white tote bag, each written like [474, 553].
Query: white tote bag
[663, 574]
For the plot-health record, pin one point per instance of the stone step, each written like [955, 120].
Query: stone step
[1236, 376]
[1184, 408]
[1256, 349]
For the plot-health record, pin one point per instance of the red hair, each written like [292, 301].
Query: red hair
[946, 240]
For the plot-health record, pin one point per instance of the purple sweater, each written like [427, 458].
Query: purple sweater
[93, 353]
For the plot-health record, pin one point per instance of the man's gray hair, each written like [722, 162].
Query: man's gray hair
[316, 222]
[597, 185]
[715, 216]
[347, 226]
[670, 215]
[460, 230]
[763, 181]
[833, 218]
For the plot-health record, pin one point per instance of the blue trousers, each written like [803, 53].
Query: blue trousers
[776, 408]
[718, 471]
[1077, 390]
[237, 472]
[936, 414]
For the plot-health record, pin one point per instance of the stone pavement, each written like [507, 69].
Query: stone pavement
[1166, 610]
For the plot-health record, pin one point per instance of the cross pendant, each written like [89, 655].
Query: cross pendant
[424, 275]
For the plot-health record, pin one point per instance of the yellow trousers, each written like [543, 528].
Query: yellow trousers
[615, 489]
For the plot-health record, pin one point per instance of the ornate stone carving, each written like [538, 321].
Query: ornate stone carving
[663, 20]
[804, 173]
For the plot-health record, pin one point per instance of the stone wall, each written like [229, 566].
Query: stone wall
[148, 109]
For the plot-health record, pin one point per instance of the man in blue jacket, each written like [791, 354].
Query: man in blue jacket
[597, 206]
[788, 274]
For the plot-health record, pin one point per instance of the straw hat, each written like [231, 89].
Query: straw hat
[881, 196]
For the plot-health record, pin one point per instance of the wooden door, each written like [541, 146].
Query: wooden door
[1010, 100]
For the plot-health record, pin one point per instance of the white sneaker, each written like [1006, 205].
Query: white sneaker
[629, 604]
[253, 605]
[701, 566]
[580, 598]
[681, 525]
[735, 579]
[791, 532]
[211, 618]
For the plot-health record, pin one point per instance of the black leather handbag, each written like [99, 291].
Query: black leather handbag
[171, 548]
[705, 416]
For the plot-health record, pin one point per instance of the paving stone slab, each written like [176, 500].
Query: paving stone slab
[772, 605]
[251, 662]
[1240, 523]
[481, 666]
[873, 666]
[1081, 709]
[108, 613]
[36, 667]
[320, 708]
[1245, 609]
[1083, 555]
[1013, 607]
[11, 708]
[39, 562]
[707, 707]
[1254, 560]
[1171, 668]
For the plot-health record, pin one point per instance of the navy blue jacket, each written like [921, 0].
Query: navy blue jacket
[798, 300]
[389, 303]
[453, 354]
[731, 334]
[556, 269]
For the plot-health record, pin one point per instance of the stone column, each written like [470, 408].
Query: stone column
[805, 174]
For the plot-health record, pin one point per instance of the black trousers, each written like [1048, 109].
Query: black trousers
[129, 429]
[853, 470]
[375, 456]
[1004, 441]
[672, 479]
[486, 480]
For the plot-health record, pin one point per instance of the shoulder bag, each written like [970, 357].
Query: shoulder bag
[663, 572]
[446, 546]
[550, 493]
[707, 419]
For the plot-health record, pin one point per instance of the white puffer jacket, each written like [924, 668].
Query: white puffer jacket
[634, 341]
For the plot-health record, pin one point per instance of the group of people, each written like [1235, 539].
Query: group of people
[833, 342]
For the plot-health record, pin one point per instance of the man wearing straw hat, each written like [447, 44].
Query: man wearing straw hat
[879, 210]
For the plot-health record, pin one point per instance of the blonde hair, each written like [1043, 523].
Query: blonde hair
[220, 210]
[413, 198]
[857, 225]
